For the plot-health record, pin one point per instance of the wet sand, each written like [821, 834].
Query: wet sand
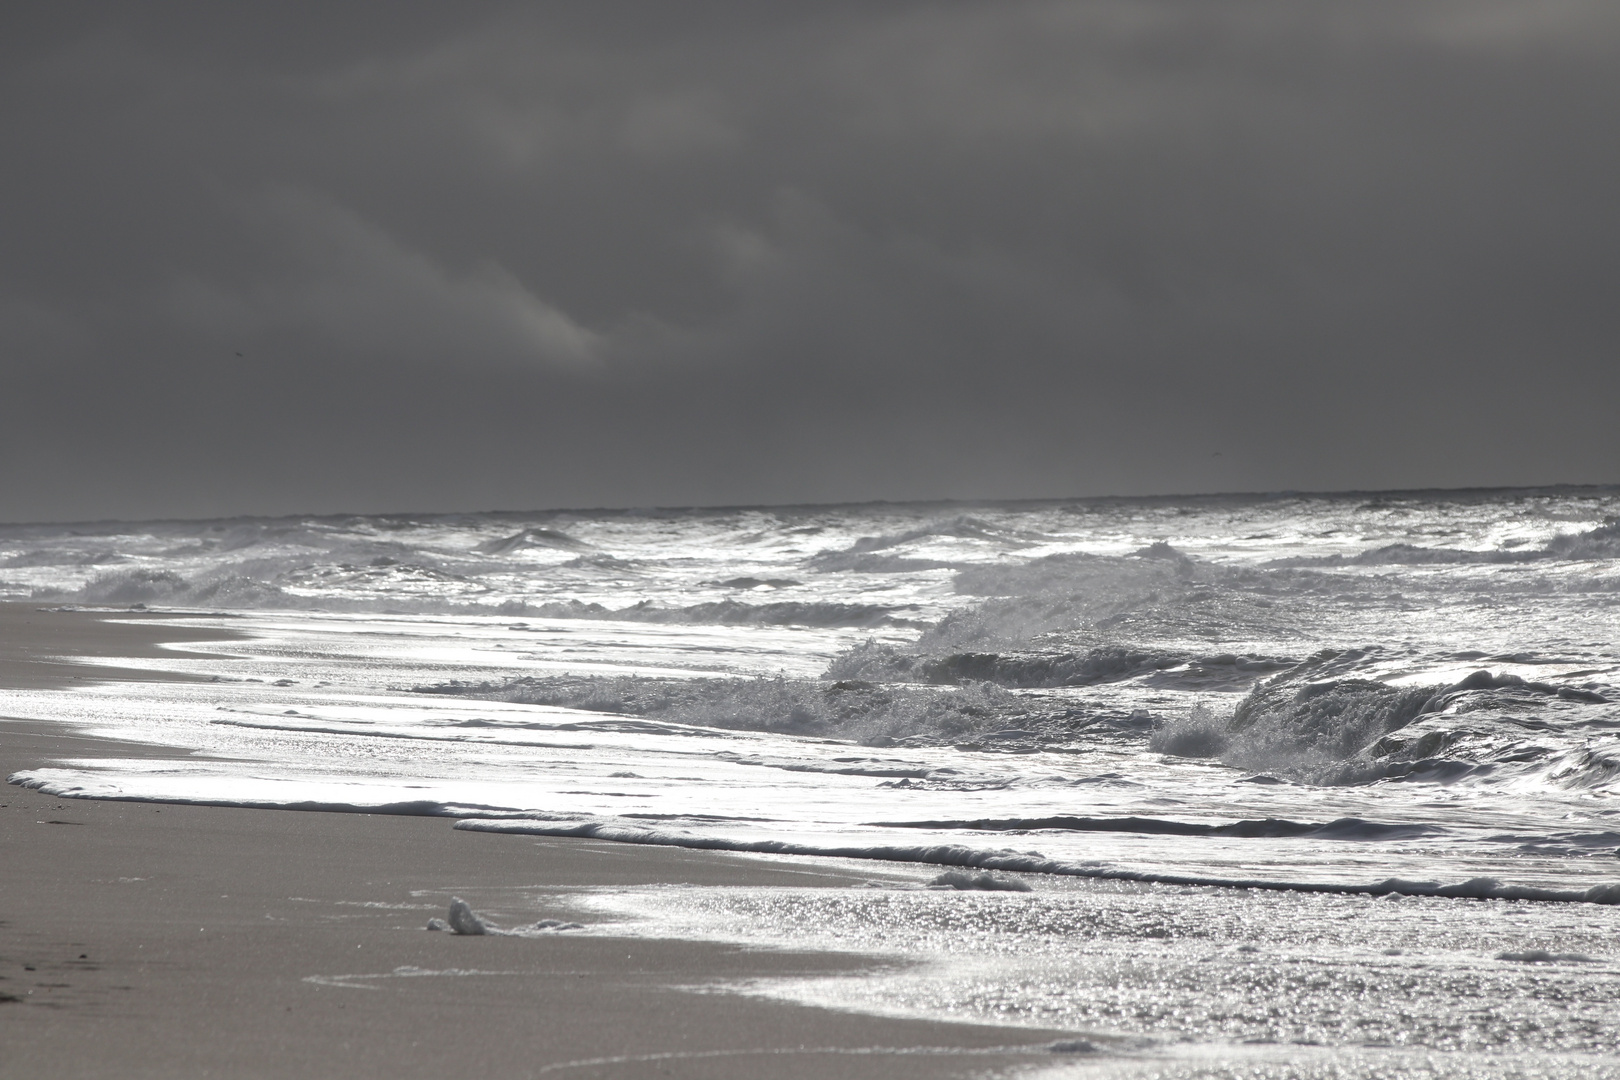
[152, 940]
[38, 644]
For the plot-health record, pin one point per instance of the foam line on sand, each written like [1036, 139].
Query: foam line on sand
[1016, 862]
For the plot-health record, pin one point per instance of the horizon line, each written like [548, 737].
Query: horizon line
[1286, 493]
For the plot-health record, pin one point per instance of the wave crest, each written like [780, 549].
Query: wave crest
[1320, 723]
[532, 538]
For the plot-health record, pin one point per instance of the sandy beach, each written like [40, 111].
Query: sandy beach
[140, 939]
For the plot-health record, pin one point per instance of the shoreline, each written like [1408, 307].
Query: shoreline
[154, 939]
[38, 644]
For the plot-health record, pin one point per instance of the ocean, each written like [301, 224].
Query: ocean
[1242, 785]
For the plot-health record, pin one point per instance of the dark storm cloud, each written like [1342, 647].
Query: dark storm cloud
[608, 253]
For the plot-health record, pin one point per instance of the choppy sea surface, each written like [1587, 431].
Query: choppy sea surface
[1299, 784]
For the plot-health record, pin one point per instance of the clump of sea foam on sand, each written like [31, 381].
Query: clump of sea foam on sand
[966, 880]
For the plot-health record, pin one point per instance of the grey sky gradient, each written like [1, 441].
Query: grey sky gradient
[611, 253]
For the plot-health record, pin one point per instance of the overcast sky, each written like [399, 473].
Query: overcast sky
[358, 257]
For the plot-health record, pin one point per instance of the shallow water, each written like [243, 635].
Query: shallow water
[1325, 700]
[1190, 965]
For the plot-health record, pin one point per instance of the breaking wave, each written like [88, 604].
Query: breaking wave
[1105, 577]
[882, 662]
[1156, 593]
[146, 586]
[1315, 724]
[957, 528]
[531, 538]
[876, 555]
[1107, 663]
[1602, 542]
